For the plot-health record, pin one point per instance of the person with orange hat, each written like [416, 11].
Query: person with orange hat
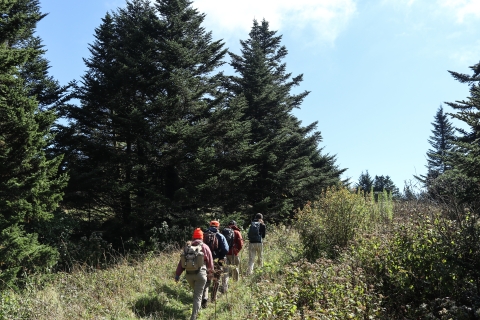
[197, 278]
[219, 247]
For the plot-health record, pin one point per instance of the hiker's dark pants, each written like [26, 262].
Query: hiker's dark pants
[197, 281]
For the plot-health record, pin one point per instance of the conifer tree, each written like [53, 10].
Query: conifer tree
[365, 182]
[30, 188]
[464, 158]
[289, 166]
[385, 183]
[143, 139]
[441, 142]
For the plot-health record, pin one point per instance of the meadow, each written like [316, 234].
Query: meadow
[346, 256]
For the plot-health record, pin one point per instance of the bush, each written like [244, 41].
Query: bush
[327, 225]
[322, 290]
[426, 266]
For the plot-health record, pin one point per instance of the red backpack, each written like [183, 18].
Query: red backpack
[211, 240]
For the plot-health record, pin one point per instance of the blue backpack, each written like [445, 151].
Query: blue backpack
[254, 232]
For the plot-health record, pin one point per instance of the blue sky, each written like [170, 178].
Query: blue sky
[376, 69]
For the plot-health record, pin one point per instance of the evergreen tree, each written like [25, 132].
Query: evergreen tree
[384, 183]
[365, 182]
[289, 166]
[153, 120]
[441, 142]
[464, 157]
[30, 188]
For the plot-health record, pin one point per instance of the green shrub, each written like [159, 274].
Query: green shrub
[426, 266]
[322, 290]
[327, 225]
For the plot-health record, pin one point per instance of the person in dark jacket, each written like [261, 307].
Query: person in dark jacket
[198, 279]
[256, 234]
[219, 253]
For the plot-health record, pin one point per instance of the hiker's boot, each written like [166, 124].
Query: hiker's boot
[204, 303]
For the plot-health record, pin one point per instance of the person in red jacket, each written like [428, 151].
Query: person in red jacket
[197, 279]
[232, 255]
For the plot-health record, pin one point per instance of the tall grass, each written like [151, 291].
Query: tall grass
[143, 288]
[408, 261]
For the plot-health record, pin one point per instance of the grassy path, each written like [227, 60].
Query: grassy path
[142, 289]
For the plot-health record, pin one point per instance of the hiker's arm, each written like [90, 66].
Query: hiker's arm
[207, 258]
[179, 270]
[223, 248]
[263, 230]
[239, 241]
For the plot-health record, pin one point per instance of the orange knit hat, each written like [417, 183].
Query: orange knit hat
[214, 223]
[197, 234]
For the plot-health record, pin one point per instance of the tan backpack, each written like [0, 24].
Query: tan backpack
[192, 257]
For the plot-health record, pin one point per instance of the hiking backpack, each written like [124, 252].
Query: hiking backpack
[254, 232]
[192, 257]
[229, 235]
[211, 240]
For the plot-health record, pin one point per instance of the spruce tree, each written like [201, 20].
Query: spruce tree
[464, 158]
[141, 144]
[289, 167]
[441, 142]
[385, 183]
[365, 182]
[30, 188]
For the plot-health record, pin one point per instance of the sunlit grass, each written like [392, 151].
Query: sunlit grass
[142, 289]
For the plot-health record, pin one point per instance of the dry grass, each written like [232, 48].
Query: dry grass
[142, 289]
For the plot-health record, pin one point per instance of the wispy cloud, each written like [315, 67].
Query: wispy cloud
[462, 8]
[407, 3]
[458, 9]
[326, 18]
[467, 55]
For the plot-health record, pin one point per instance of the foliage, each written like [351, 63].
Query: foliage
[365, 182]
[384, 183]
[145, 144]
[437, 158]
[327, 225]
[321, 290]
[30, 188]
[425, 267]
[377, 185]
[465, 154]
[287, 166]
[441, 142]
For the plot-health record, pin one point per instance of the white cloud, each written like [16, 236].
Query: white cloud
[407, 3]
[327, 18]
[462, 8]
[467, 55]
[457, 9]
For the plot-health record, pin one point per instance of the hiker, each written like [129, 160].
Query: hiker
[256, 234]
[198, 269]
[219, 247]
[232, 256]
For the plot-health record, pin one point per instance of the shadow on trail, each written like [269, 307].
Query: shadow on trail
[164, 303]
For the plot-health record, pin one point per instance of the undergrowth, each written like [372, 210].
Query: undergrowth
[410, 260]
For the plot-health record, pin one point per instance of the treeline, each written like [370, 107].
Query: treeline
[153, 135]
